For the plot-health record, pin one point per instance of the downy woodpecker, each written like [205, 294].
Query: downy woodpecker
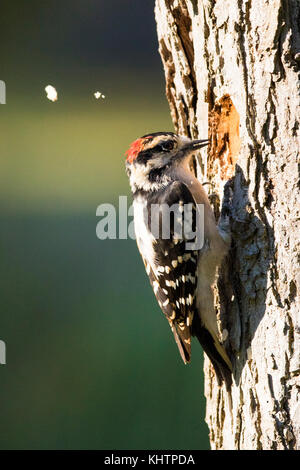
[159, 171]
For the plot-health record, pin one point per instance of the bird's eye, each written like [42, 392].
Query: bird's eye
[167, 146]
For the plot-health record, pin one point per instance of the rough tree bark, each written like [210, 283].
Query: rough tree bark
[232, 72]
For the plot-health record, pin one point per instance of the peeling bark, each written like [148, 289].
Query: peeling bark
[232, 72]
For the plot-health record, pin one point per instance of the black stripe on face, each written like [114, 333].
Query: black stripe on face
[163, 146]
[144, 156]
[156, 174]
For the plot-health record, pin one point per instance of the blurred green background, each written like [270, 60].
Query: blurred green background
[91, 362]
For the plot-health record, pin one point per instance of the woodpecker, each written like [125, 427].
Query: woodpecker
[159, 170]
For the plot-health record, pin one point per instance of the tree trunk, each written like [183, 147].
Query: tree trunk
[232, 73]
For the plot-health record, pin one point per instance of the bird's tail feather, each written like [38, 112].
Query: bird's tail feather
[183, 340]
[216, 354]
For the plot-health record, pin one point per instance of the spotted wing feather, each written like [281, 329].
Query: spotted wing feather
[173, 275]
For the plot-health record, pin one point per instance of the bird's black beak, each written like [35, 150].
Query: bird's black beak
[188, 149]
[198, 144]
[193, 145]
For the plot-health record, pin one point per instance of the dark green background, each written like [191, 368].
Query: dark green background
[91, 362]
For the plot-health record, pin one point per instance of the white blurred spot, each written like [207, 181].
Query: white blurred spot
[51, 93]
[98, 95]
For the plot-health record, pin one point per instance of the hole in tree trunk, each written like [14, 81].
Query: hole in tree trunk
[224, 122]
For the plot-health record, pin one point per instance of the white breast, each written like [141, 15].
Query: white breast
[144, 237]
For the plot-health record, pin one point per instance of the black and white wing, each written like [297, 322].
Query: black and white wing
[171, 267]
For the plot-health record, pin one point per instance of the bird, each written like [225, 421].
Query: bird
[159, 168]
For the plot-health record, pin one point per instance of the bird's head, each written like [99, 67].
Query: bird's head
[153, 158]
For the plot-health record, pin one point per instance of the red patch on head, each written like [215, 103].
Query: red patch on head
[135, 148]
